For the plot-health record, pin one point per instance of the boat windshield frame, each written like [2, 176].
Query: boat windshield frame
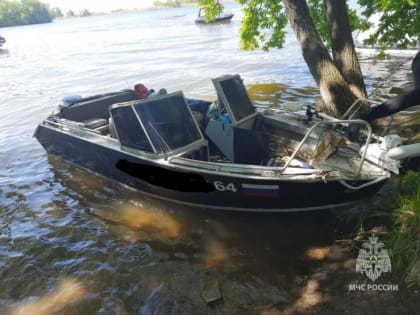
[236, 114]
[163, 135]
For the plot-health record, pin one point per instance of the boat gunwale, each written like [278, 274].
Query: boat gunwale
[219, 169]
[224, 208]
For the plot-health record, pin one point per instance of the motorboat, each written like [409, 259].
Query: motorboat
[223, 154]
[223, 17]
[2, 40]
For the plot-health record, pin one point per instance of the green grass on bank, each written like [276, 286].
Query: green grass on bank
[398, 219]
[403, 239]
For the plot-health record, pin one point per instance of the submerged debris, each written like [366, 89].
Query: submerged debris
[210, 291]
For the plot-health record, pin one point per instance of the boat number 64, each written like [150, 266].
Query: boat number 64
[220, 186]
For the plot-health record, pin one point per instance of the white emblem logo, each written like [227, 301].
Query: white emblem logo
[373, 259]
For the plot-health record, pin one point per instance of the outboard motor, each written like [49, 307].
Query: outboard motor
[67, 101]
[70, 99]
[390, 152]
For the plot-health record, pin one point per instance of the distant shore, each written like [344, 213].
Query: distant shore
[143, 9]
[133, 10]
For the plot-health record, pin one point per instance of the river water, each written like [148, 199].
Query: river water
[75, 243]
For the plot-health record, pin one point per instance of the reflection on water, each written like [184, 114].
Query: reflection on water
[217, 255]
[274, 94]
[159, 224]
[317, 253]
[120, 252]
[69, 291]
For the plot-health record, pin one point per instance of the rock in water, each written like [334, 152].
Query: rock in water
[210, 291]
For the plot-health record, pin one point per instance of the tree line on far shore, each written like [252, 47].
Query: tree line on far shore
[25, 12]
[172, 3]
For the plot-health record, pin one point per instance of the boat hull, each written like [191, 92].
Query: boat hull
[220, 19]
[202, 189]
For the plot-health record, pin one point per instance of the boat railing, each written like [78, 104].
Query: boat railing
[352, 187]
[239, 169]
[217, 167]
[328, 120]
[259, 170]
[332, 121]
[62, 123]
[355, 106]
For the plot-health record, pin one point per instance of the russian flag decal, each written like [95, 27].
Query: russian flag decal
[264, 191]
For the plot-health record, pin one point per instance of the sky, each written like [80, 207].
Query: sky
[98, 5]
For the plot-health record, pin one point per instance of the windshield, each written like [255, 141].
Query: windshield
[168, 122]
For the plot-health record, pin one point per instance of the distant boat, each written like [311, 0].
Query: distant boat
[2, 40]
[223, 17]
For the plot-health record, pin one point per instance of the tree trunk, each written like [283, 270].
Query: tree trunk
[335, 92]
[342, 45]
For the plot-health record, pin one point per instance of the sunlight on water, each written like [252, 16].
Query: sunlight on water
[67, 292]
[158, 223]
[316, 253]
[217, 255]
[267, 94]
[310, 296]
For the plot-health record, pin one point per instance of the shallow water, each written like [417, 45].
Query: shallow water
[76, 243]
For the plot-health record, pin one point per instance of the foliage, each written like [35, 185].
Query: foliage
[398, 22]
[211, 8]
[317, 10]
[264, 22]
[56, 13]
[23, 12]
[324, 31]
[85, 12]
[263, 26]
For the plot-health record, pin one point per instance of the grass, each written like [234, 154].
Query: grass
[398, 219]
[403, 239]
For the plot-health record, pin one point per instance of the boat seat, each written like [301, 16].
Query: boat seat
[97, 124]
[95, 106]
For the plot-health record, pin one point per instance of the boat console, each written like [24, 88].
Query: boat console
[241, 139]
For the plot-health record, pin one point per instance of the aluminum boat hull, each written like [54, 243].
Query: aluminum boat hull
[203, 188]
